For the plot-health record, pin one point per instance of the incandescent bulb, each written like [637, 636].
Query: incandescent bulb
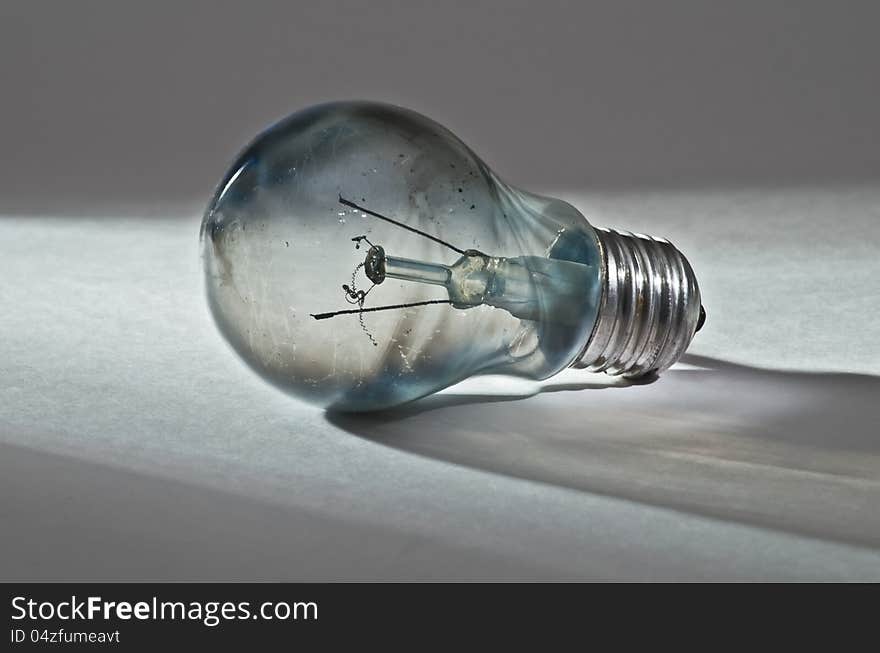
[360, 256]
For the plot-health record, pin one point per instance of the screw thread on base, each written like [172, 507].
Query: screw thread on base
[650, 306]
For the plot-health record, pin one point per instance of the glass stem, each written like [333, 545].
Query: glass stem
[411, 270]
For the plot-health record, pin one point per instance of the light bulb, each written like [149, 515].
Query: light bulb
[360, 256]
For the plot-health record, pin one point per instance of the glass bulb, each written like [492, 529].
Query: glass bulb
[360, 256]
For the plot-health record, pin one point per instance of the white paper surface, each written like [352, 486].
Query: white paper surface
[134, 444]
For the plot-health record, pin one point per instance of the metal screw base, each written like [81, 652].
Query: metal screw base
[650, 307]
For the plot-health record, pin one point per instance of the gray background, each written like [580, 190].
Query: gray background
[133, 445]
[107, 104]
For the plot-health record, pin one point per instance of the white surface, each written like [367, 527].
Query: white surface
[134, 445]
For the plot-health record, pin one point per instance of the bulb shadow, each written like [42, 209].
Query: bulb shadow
[791, 451]
[447, 400]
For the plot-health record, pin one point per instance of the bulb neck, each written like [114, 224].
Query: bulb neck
[650, 306]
